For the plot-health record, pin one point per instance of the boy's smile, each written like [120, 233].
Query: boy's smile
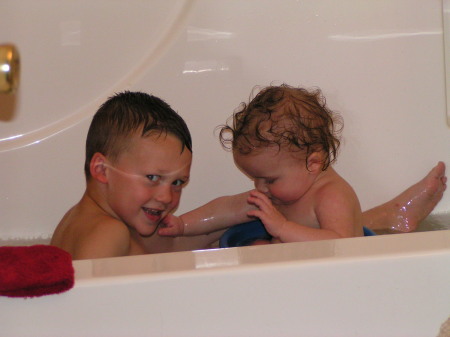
[146, 180]
[152, 214]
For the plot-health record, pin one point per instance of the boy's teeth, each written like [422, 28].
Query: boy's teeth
[152, 211]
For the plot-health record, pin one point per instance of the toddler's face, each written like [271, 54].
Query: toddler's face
[279, 174]
[146, 181]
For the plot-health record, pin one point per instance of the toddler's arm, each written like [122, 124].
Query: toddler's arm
[171, 225]
[217, 214]
[336, 221]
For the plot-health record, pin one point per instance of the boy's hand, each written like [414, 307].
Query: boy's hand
[171, 225]
[272, 219]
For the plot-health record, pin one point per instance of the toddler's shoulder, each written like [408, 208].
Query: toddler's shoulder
[337, 190]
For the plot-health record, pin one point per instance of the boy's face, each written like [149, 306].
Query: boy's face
[145, 182]
[281, 175]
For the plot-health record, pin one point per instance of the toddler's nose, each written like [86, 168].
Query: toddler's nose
[261, 186]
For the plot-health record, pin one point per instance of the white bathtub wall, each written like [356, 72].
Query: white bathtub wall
[389, 286]
[380, 63]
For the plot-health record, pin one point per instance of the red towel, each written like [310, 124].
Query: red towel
[30, 271]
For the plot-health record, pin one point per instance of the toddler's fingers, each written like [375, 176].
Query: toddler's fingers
[257, 194]
[260, 203]
[166, 231]
[260, 195]
[162, 231]
[255, 214]
[254, 201]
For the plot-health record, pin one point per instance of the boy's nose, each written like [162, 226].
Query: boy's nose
[164, 194]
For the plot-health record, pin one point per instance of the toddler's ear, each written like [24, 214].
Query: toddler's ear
[98, 167]
[315, 162]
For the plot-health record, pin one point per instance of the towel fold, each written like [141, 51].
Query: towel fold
[31, 271]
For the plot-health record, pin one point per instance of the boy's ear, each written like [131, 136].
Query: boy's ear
[98, 168]
[315, 162]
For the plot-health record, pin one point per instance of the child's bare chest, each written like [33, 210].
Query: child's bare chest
[136, 248]
[153, 244]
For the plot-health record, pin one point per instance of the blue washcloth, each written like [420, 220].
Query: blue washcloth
[245, 233]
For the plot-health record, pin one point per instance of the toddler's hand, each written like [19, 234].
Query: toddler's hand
[171, 225]
[272, 219]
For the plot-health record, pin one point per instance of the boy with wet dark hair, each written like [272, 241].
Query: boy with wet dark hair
[124, 114]
[138, 159]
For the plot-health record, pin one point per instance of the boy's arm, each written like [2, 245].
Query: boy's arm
[337, 215]
[217, 214]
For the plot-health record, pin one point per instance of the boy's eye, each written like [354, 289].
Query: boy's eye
[178, 182]
[153, 177]
[270, 181]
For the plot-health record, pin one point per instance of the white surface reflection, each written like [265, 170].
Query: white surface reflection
[217, 258]
[195, 67]
[381, 36]
[203, 34]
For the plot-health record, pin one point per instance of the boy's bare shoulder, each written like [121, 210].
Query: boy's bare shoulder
[89, 234]
[104, 237]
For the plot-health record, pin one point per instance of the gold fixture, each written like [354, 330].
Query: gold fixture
[9, 68]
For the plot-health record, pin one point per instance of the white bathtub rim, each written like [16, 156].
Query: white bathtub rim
[99, 272]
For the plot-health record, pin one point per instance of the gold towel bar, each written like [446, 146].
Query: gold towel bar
[9, 68]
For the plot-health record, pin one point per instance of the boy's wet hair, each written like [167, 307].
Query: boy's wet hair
[124, 114]
[288, 117]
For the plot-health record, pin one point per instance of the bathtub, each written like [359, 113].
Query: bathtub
[381, 64]
[372, 286]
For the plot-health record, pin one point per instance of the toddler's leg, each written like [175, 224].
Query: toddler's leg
[407, 210]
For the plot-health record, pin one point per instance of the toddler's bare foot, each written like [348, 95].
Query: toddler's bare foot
[416, 203]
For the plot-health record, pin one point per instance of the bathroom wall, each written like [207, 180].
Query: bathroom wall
[379, 63]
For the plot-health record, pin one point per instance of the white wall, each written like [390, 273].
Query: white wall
[379, 63]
